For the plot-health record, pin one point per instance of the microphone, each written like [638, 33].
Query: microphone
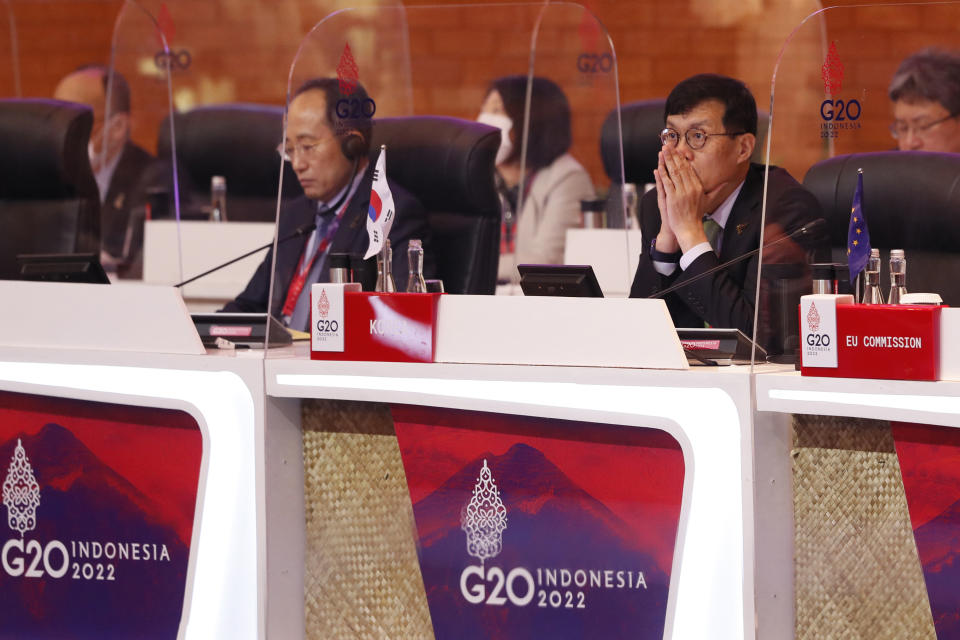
[299, 232]
[810, 231]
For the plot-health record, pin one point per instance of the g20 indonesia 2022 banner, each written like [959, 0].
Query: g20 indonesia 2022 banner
[98, 504]
[540, 528]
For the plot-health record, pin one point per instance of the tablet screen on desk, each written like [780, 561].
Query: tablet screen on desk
[567, 280]
[726, 346]
[62, 267]
[239, 328]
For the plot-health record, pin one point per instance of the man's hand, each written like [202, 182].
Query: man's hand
[683, 197]
[666, 241]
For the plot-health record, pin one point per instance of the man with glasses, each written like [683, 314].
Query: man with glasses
[329, 150]
[706, 208]
[925, 92]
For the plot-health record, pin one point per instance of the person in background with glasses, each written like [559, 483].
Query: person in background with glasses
[331, 155]
[707, 205]
[925, 91]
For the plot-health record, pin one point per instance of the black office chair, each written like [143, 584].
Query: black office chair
[239, 142]
[448, 164]
[49, 201]
[910, 202]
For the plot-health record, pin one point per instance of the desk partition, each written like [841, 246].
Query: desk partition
[870, 537]
[831, 115]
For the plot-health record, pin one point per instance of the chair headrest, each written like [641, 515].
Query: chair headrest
[43, 150]
[910, 198]
[237, 141]
[641, 123]
[448, 163]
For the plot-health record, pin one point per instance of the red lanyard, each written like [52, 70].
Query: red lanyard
[300, 275]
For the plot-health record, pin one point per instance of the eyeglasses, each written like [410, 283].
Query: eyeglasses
[900, 129]
[696, 138]
[305, 149]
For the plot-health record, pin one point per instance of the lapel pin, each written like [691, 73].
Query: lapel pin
[740, 228]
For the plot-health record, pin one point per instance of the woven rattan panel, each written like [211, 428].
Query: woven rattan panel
[857, 570]
[362, 575]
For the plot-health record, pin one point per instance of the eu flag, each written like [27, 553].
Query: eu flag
[858, 238]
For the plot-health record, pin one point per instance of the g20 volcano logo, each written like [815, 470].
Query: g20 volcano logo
[484, 521]
[31, 558]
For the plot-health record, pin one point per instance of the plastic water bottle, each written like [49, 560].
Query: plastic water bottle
[218, 199]
[415, 281]
[898, 276]
[871, 292]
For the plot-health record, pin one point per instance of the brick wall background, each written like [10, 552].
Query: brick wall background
[241, 51]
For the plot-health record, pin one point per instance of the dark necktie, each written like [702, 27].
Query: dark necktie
[712, 229]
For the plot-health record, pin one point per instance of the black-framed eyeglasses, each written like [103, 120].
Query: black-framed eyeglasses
[900, 129]
[696, 138]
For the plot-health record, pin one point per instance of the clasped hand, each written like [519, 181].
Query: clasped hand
[681, 199]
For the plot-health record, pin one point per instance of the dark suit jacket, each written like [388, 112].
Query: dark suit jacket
[727, 297]
[351, 237]
[124, 192]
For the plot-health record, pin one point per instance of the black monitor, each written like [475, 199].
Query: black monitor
[567, 280]
[62, 267]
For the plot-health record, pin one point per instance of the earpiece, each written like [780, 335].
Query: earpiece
[352, 145]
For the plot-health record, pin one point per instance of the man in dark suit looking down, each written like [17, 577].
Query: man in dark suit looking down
[330, 153]
[707, 205]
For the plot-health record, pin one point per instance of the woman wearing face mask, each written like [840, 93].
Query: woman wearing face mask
[554, 183]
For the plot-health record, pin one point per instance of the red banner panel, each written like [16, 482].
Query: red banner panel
[541, 528]
[99, 502]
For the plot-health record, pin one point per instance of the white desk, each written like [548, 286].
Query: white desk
[707, 410]
[171, 255]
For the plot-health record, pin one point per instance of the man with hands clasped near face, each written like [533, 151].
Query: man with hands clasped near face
[707, 206]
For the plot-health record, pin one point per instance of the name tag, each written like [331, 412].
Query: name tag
[818, 329]
[326, 317]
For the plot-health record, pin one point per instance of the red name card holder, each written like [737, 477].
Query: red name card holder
[889, 342]
[387, 327]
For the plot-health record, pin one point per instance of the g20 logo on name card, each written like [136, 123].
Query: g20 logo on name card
[818, 330]
[327, 326]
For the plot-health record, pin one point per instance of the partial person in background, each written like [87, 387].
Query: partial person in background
[120, 166]
[707, 208]
[554, 183]
[330, 154]
[925, 92]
